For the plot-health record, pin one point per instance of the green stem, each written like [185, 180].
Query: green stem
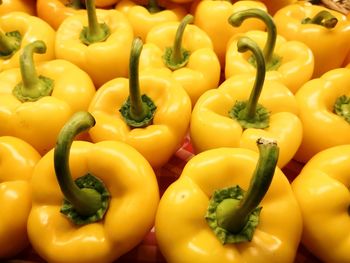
[32, 86]
[322, 18]
[9, 43]
[233, 216]
[153, 6]
[95, 32]
[176, 57]
[75, 4]
[86, 201]
[237, 19]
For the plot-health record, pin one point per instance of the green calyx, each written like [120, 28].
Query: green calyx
[10, 42]
[86, 199]
[176, 57]
[249, 113]
[95, 32]
[342, 107]
[323, 18]
[32, 87]
[233, 214]
[273, 61]
[138, 111]
[153, 7]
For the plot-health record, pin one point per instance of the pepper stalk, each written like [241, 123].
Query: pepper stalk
[233, 214]
[323, 18]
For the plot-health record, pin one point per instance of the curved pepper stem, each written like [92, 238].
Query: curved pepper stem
[249, 113]
[138, 111]
[322, 18]
[236, 19]
[177, 57]
[32, 87]
[10, 42]
[88, 202]
[95, 32]
[236, 214]
[153, 7]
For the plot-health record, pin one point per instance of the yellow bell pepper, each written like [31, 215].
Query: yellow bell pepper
[154, 111]
[55, 11]
[26, 6]
[323, 104]
[99, 48]
[244, 108]
[18, 160]
[230, 206]
[325, 31]
[17, 29]
[184, 52]
[274, 5]
[36, 100]
[91, 202]
[212, 17]
[322, 191]
[144, 16]
[290, 62]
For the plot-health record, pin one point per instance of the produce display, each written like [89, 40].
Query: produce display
[175, 131]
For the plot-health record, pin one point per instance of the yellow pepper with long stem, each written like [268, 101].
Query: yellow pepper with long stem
[244, 108]
[18, 160]
[184, 52]
[230, 205]
[325, 31]
[55, 11]
[212, 17]
[91, 202]
[36, 100]
[18, 29]
[290, 62]
[98, 42]
[26, 6]
[154, 111]
[323, 104]
[143, 16]
[322, 191]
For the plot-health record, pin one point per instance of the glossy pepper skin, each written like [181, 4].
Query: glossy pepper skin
[55, 11]
[212, 17]
[158, 140]
[30, 28]
[323, 127]
[143, 15]
[212, 124]
[329, 45]
[18, 160]
[322, 191]
[107, 55]
[196, 67]
[27, 6]
[289, 62]
[132, 195]
[183, 234]
[105, 3]
[274, 5]
[39, 121]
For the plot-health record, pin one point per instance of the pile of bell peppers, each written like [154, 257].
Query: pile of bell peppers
[97, 96]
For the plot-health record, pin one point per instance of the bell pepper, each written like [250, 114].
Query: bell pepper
[322, 191]
[55, 11]
[325, 31]
[17, 29]
[144, 16]
[212, 17]
[244, 108]
[154, 111]
[230, 205]
[91, 202]
[105, 3]
[274, 5]
[98, 42]
[185, 52]
[290, 62]
[26, 6]
[36, 100]
[18, 160]
[323, 104]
